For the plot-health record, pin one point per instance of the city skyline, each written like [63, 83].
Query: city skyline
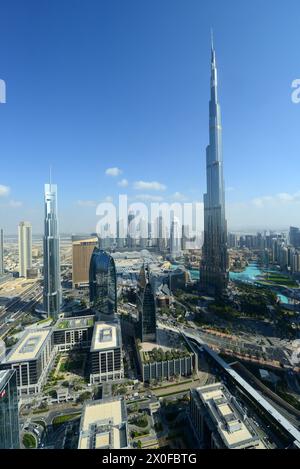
[123, 125]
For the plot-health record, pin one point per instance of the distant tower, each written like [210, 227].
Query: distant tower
[103, 285]
[175, 238]
[25, 247]
[52, 279]
[1, 252]
[146, 307]
[214, 263]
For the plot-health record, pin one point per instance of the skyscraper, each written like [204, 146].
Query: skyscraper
[25, 247]
[175, 238]
[82, 250]
[214, 264]
[103, 284]
[146, 307]
[9, 412]
[52, 280]
[1, 252]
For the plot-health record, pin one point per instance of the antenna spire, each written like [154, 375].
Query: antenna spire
[50, 175]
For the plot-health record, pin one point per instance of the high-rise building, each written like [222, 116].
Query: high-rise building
[175, 238]
[294, 237]
[214, 271]
[82, 250]
[9, 412]
[1, 252]
[25, 247]
[52, 280]
[131, 233]
[103, 284]
[146, 307]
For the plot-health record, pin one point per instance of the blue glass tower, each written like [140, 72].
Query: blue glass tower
[9, 412]
[146, 307]
[214, 263]
[103, 284]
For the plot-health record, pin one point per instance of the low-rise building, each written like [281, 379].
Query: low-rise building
[219, 422]
[106, 352]
[32, 358]
[159, 362]
[104, 425]
[73, 333]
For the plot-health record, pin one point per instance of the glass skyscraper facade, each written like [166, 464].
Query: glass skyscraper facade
[146, 308]
[52, 280]
[103, 284]
[9, 413]
[214, 264]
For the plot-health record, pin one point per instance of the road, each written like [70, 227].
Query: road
[17, 307]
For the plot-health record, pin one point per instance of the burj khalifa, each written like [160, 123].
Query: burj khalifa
[214, 263]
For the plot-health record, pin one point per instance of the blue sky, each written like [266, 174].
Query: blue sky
[101, 84]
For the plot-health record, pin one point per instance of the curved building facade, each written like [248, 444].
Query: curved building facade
[146, 308]
[103, 284]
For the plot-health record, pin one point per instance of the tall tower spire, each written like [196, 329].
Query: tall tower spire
[214, 262]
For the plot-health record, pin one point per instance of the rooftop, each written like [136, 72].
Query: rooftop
[106, 336]
[103, 425]
[75, 323]
[232, 428]
[29, 345]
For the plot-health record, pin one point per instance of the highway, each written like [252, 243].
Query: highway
[17, 307]
[267, 406]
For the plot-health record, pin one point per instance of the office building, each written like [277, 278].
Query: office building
[31, 358]
[73, 333]
[52, 280]
[294, 237]
[158, 362]
[9, 412]
[218, 420]
[146, 307]
[103, 285]
[25, 247]
[82, 250]
[175, 238]
[104, 425]
[214, 269]
[106, 353]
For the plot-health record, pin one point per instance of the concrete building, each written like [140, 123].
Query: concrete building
[9, 411]
[73, 333]
[82, 250]
[32, 358]
[219, 422]
[164, 363]
[104, 425]
[25, 247]
[106, 353]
